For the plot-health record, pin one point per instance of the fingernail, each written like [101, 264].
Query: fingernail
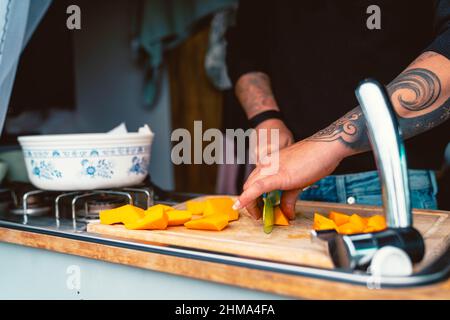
[237, 205]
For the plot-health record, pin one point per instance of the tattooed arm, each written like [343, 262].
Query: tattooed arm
[420, 96]
[254, 92]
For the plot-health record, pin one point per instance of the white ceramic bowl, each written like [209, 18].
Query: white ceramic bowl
[86, 161]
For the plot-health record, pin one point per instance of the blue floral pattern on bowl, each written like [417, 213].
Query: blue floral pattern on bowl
[94, 153]
[88, 167]
[85, 153]
[139, 166]
[45, 170]
[101, 168]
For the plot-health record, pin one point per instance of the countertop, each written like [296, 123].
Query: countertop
[273, 282]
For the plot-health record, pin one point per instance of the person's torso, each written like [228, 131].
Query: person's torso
[320, 51]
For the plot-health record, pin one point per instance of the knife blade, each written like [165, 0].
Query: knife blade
[270, 199]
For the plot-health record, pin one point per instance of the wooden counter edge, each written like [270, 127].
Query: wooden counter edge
[282, 284]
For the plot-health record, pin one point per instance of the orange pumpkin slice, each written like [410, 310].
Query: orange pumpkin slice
[339, 218]
[195, 207]
[377, 222]
[323, 223]
[214, 222]
[178, 217]
[358, 221]
[349, 228]
[369, 230]
[163, 206]
[124, 214]
[280, 218]
[220, 205]
[155, 219]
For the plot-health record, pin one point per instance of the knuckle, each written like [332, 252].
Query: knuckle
[259, 185]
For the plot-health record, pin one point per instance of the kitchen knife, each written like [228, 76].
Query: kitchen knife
[271, 200]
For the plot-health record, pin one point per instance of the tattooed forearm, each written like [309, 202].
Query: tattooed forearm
[419, 102]
[422, 86]
[350, 130]
[417, 125]
[255, 94]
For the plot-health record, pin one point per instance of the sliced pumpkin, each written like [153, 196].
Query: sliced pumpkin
[349, 228]
[345, 224]
[377, 222]
[358, 221]
[346, 228]
[222, 205]
[163, 206]
[339, 218]
[280, 218]
[323, 223]
[196, 207]
[178, 217]
[214, 222]
[124, 214]
[369, 230]
[157, 219]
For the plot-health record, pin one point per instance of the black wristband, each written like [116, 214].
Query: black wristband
[263, 116]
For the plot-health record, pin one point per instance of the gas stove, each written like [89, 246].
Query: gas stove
[24, 204]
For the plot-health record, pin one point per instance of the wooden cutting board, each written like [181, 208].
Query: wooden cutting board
[289, 244]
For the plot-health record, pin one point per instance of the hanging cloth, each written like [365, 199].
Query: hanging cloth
[18, 20]
[166, 23]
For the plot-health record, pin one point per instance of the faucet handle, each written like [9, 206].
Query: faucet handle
[389, 151]
[352, 251]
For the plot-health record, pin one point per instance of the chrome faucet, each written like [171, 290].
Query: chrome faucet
[386, 140]
[351, 251]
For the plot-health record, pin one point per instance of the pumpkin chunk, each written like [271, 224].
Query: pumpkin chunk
[377, 222]
[178, 217]
[124, 214]
[280, 218]
[346, 224]
[155, 209]
[369, 230]
[156, 219]
[339, 218]
[349, 228]
[214, 222]
[358, 221]
[323, 223]
[163, 206]
[221, 205]
[196, 207]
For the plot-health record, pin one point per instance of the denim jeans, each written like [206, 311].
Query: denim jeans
[365, 188]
